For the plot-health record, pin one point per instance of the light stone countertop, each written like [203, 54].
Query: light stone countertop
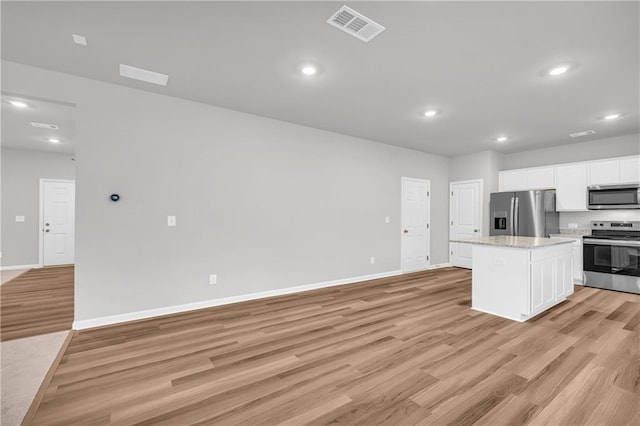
[576, 232]
[514, 242]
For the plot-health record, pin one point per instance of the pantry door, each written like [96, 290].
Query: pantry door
[465, 219]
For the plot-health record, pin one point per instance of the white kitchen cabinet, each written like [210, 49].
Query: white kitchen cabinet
[578, 273]
[512, 180]
[518, 282]
[630, 170]
[571, 187]
[571, 180]
[564, 279]
[543, 293]
[605, 172]
[541, 178]
[525, 179]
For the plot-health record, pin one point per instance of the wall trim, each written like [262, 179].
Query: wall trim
[139, 315]
[440, 265]
[12, 267]
[133, 316]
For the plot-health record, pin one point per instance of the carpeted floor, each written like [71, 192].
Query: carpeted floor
[6, 276]
[24, 364]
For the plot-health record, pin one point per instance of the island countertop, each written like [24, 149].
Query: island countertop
[513, 242]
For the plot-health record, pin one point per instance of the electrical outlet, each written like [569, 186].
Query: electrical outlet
[213, 279]
[171, 221]
[19, 218]
[572, 225]
[372, 260]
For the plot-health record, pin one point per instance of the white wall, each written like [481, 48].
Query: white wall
[263, 203]
[619, 146]
[483, 165]
[21, 174]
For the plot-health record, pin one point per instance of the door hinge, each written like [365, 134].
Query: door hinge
[451, 223]
[452, 193]
[451, 252]
[427, 257]
[427, 226]
[427, 193]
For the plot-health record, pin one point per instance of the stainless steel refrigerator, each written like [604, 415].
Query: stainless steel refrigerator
[524, 213]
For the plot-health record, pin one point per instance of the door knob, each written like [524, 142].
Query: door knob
[46, 224]
[46, 230]
[475, 230]
[406, 231]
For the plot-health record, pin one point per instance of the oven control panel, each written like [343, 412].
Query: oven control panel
[630, 226]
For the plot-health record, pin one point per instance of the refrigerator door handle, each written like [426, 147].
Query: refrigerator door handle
[516, 216]
[512, 223]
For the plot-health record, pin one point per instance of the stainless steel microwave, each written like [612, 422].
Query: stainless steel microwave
[605, 197]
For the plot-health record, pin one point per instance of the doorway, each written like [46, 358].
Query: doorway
[57, 222]
[465, 219]
[415, 231]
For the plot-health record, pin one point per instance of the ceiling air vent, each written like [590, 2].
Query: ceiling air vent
[356, 24]
[585, 133]
[45, 126]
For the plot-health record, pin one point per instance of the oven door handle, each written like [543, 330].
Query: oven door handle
[612, 242]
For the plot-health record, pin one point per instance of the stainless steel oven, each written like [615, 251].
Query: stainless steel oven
[611, 256]
[605, 197]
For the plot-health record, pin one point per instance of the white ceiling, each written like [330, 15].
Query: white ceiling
[481, 63]
[18, 133]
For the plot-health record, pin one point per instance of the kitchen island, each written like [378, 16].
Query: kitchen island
[519, 277]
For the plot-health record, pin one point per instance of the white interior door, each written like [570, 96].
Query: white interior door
[58, 222]
[415, 224]
[465, 214]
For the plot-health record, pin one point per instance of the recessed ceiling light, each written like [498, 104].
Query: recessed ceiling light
[143, 75]
[18, 104]
[430, 113]
[78, 39]
[559, 70]
[611, 116]
[502, 139]
[54, 140]
[309, 70]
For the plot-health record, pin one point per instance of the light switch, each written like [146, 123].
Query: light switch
[171, 221]
[386, 219]
[19, 218]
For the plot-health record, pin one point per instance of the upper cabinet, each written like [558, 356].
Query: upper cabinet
[512, 180]
[610, 172]
[571, 180]
[571, 187]
[524, 179]
[541, 178]
[630, 170]
[605, 172]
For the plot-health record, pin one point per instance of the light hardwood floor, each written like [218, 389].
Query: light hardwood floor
[40, 301]
[399, 351]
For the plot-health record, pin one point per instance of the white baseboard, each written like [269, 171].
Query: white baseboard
[132, 316]
[441, 265]
[9, 268]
